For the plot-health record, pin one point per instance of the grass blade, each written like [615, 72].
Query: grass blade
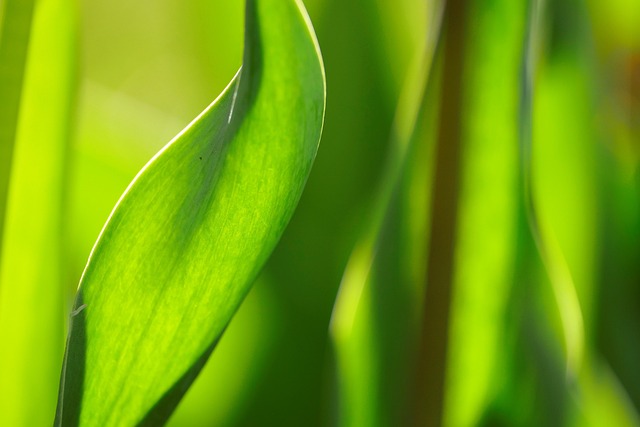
[15, 29]
[183, 245]
[534, 378]
[487, 215]
[372, 288]
[31, 276]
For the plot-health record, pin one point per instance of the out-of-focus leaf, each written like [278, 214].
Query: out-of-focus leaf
[602, 399]
[532, 374]
[565, 178]
[616, 35]
[564, 189]
[619, 294]
[485, 252]
[375, 290]
[183, 245]
[565, 174]
[399, 33]
[31, 290]
[15, 29]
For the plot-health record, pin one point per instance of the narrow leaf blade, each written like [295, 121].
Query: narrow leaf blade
[31, 264]
[15, 29]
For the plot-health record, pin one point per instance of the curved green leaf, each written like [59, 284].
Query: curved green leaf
[190, 234]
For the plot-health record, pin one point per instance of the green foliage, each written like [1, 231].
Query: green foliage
[15, 27]
[33, 258]
[192, 231]
[464, 251]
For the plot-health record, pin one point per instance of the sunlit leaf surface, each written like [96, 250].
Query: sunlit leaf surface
[192, 231]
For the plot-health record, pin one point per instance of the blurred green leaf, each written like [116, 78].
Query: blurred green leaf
[567, 197]
[543, 313]
[31, 276]
[15, 29]
[373, 321]
[619, 295]
[183, 245]
[486, 241]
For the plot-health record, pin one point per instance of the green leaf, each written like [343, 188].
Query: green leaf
[31, 272]
[15, 29]
[183, 245]
[240, 361]
[488, 209]
[373, 325]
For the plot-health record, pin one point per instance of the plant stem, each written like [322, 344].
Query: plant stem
[432, 352]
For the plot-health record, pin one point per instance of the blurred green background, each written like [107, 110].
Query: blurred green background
[544, 322]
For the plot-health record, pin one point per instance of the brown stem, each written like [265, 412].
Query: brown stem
[432, 352]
